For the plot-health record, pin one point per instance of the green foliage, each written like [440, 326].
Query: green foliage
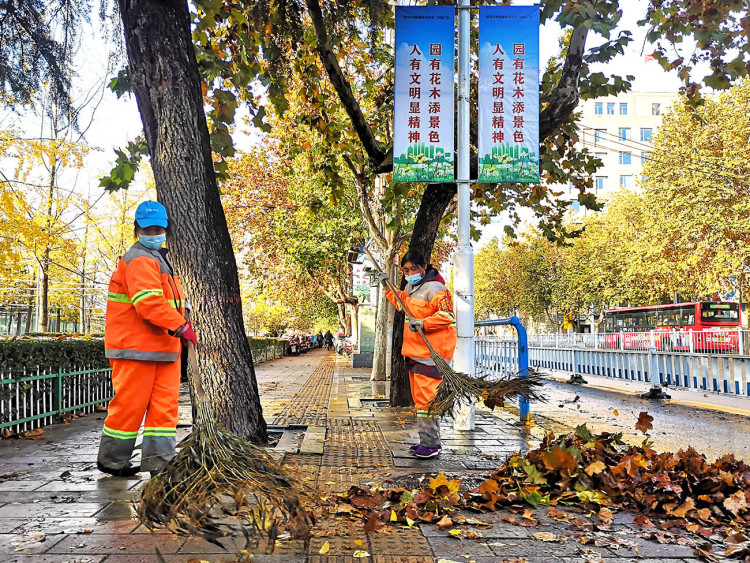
[126, 166]
[20, 357]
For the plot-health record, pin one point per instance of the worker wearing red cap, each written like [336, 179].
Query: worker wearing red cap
[146, 322]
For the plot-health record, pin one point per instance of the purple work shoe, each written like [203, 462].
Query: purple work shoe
[413, 447]
[423, 452]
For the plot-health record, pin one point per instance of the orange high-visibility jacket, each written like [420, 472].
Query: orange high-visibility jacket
[430, 302]
[145, 301]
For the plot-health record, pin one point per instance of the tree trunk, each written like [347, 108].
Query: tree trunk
[166, 82]
[45, 291]
[29, 309]
[435, 200]
[385, 312]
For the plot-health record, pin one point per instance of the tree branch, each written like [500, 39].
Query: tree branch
[564, 97]
[364, 204]
[340, 83]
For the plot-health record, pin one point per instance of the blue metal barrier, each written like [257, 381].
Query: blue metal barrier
[522, 357]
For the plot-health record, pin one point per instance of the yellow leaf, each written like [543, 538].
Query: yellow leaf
[438, 481]
[394, 516]
[359, 553]
[614, 412]
[324, 550]
[455, 532]
[359, 543]
[409, 522]
[594, 468]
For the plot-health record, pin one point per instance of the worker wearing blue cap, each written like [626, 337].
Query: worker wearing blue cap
[145, 325]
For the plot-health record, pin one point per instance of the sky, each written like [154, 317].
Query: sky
[110, 123]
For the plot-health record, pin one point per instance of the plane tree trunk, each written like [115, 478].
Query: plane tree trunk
[166, 83]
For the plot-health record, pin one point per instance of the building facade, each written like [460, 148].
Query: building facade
[618, 130]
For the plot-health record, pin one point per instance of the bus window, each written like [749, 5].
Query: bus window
[720, 312]
[674, 318]
[651, 320]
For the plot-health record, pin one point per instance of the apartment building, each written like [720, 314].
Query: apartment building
[618, 129]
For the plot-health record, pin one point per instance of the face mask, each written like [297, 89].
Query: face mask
[153, 242]
[413, 279]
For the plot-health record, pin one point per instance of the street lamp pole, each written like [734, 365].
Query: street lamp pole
[463, 260]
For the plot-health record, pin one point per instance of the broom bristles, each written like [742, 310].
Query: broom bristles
[215, 469]
[457, 388]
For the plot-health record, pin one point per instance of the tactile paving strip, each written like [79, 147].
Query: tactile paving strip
[400, 541]
[355, 443]
[310, 405]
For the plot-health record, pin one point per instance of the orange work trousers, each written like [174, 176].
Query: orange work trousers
[423, 390]
[141, 388]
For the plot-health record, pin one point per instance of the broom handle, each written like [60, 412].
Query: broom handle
[192, 369]
[401, 302]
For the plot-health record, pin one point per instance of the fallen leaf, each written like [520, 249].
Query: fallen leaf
[614, 412]
[444, 523]
[325, 548]
[455, 532]
[546, 536]
[360, 553]
[644, 422]
[595, 467]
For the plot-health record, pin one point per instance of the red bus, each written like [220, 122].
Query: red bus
[711, 325]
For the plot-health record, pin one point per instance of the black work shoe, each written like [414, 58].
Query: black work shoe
[128, 471]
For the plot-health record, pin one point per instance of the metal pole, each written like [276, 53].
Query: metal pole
[523, 367]
[463, 261]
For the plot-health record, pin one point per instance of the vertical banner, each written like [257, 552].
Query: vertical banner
[509, 94]
[423, 112]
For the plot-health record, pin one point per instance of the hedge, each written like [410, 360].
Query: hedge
[22, 356]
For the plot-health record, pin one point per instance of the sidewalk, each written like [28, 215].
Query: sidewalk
[334, 431]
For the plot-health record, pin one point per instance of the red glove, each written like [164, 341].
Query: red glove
[187, 334]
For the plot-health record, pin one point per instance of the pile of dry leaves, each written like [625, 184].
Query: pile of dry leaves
[597, 473]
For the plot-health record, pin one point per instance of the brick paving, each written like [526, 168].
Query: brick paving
[56, 507]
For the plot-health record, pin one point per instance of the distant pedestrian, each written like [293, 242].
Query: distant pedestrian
[328, 340]
[145, 324]
[431, 305]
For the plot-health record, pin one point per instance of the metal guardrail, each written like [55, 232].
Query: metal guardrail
[724, 374]
[32, 401]
[502, 358]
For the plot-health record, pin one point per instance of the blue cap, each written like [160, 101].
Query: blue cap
[151, 213]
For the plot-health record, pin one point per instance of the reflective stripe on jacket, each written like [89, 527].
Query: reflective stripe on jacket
[430, 302]
[145, 301]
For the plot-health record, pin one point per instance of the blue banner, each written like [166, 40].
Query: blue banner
[423, 112]
[509, 94]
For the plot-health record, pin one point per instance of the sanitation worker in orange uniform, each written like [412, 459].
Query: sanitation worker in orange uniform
[431, 305]
[145, 328]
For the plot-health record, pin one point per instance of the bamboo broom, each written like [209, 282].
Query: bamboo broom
[455, 387]
[214, 470]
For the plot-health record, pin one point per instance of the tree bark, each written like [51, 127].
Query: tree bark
[383, 321]
[435, 200]
[166, 83]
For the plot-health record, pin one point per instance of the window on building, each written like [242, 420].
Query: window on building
[624, 133]
[598, 108]
[599, 136]
[626, 181]
[601, 156]
[610, 108]
[644, 157]
[576, 206]
[599, 182]
[624, 157]
[646, 133]
[655, 109]
[623, 109]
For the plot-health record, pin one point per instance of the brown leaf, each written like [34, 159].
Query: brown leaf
[595, 467]
[372, 523]
[735, 503]
[644, 422]
[489, 486]
[682, 510]
[444, 523]
[559, 460]
[605, 514]
[643, 521]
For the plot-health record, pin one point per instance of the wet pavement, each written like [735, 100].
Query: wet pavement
[335, 432]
